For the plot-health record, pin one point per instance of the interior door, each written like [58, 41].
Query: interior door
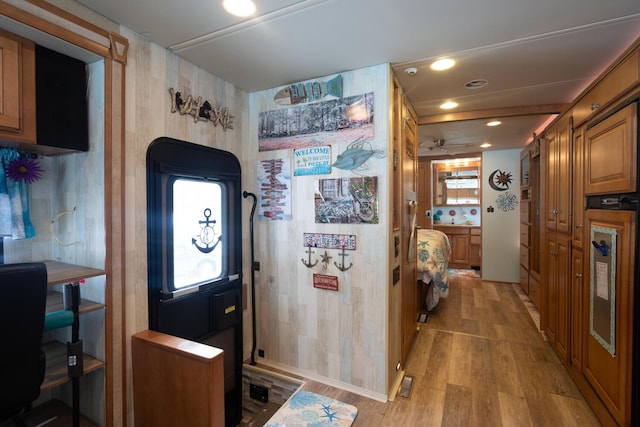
[410, 302]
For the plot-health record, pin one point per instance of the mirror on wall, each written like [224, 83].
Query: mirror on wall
[456, 182]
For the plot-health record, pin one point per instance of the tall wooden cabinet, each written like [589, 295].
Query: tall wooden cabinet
[587, 306]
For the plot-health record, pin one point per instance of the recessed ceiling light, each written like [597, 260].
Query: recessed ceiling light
[485, 145]
[476, 84]
[494, 123]
[448, 105]
[443, 64]
[239, 7]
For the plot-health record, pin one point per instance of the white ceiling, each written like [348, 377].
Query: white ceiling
[536, 54]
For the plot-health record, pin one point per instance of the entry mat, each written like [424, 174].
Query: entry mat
[305, 408]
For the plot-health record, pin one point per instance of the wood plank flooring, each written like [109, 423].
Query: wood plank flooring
[478, 361]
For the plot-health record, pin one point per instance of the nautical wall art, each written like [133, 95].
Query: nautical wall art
[312, 161]
[322, 123]
[199, 110]
[347, 200]
[299, 93]
[356, 156]
[274, 189]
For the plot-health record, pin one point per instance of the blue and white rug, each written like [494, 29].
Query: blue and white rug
[307, 409]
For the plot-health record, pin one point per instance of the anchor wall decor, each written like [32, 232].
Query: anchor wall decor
[342, 267]
[207, 236]
[308, 264]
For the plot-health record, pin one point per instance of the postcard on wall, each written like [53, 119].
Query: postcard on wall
[312, 161]
[274, 189]
[347, 200]
[345, 119]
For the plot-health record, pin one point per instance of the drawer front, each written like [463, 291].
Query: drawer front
[524, 234]
[524, 210]
[449, 230]
[524, 279]
[475, 231]
[524, 256]
[475, 240]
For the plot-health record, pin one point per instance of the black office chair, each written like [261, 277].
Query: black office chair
[23, 294]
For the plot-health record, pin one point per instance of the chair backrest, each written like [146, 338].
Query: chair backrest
[23, 294]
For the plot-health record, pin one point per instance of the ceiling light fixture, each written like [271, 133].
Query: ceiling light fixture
[494, 123]
[448, 105]
[443, 64]
[239, 7]
[485, 145]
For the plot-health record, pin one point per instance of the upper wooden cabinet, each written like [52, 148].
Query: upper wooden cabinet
[43, 98]
[558, 183]
[620, 79]
[610, 153]
[17, 93]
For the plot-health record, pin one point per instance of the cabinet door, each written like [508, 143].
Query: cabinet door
[551, 159]
[610, 154]
[609, 311]
[558, 180]
[459, 250]
[577, 312]
[563, 280]
[10, 82]
[563, 177]
[18, 89]
[551, 294]
[578, 188]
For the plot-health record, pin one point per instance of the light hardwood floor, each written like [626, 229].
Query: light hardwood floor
[478, 361]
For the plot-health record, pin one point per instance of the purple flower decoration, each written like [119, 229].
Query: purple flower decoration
[24, 169]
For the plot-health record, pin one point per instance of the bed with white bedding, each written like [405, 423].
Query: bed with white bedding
[433, 251]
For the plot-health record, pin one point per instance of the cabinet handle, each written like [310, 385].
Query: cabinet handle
[578, 226]
[578, 275]
[595, 107]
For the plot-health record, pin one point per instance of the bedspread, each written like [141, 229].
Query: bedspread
[433, 260]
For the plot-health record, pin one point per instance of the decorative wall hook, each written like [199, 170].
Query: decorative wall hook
[308, 264]
[341, 267]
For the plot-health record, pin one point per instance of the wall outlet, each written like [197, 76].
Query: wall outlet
[258, 392]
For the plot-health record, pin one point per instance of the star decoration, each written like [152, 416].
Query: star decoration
[325, 259]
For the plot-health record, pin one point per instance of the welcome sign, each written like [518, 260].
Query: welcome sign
[312, 161]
